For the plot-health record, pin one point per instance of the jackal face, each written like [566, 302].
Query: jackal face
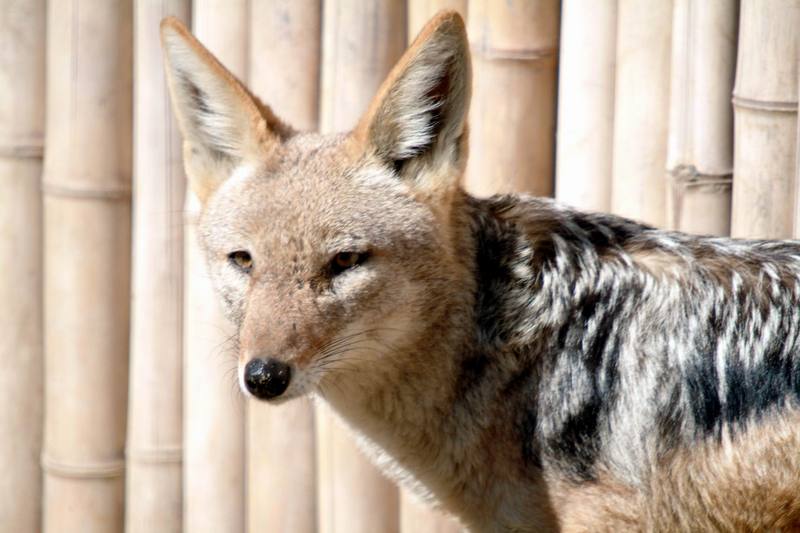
[329, 252]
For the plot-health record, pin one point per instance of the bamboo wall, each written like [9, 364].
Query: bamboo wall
[154, 487]
[122, 405]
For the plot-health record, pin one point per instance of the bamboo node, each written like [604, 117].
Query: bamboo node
[519, 54]
[34, 150]
[689, 176]
[764, 105]
[86, 193]
[83, 470]
[166, 454]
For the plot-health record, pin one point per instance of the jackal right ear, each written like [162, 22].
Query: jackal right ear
[223, 125]
[418, 119]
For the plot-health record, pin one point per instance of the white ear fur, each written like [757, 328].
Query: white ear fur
[223, 126]
[421, 109]
[412, 109]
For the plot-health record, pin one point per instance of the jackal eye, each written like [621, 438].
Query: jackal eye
[346, 260]
[241, 259]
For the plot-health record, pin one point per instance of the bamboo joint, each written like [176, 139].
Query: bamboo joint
[86, 193]
[690, 176]
[764, 105]
[519, 54]
[83, 470]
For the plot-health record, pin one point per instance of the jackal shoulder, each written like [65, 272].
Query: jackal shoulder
[626, 340]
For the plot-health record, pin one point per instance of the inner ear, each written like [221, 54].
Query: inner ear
[201, 116]
[432, 120]
[419, 115]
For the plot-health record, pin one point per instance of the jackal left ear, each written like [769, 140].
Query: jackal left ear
[223, 125]
[418, 117]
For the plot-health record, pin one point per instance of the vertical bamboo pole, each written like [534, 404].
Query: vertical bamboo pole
[284, 58]
[416, 517]
[281, 456]
[154, 485]
[22, 66]
[641, 110]
[796, 233]
[765, 119]
[512, 120]
[214, 449]
[586, 103]
[361, 42]
[700, 148]
[420, 11]
[87, 264]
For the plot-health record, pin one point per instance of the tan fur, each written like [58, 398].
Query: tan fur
[748, 481]
[602, 506]
[658, 263]
[380, 343]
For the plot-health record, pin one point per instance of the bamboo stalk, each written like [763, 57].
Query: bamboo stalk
[420, 11]
[87, 243]
[213, 460]
[416, 517]
[352, 494]
[353, 497]
[285, 58]
[154, 449]
[214, 445]
[350, 74]
[796, 233]
[512, 120]
[22, 87]
[765, 119]
[641, 110]
[586, 103]
[700, 149]
[281, 456]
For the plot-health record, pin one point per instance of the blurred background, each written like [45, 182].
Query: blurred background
[119, 407]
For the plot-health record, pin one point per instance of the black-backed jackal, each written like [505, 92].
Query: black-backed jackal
[528, 366]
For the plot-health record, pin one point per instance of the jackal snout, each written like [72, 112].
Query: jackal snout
[279, 335]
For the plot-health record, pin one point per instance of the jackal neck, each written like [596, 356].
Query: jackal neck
[429, 416]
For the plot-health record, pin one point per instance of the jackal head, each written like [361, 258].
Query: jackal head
[331, 252]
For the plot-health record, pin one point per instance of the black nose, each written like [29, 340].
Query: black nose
[267, 378]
